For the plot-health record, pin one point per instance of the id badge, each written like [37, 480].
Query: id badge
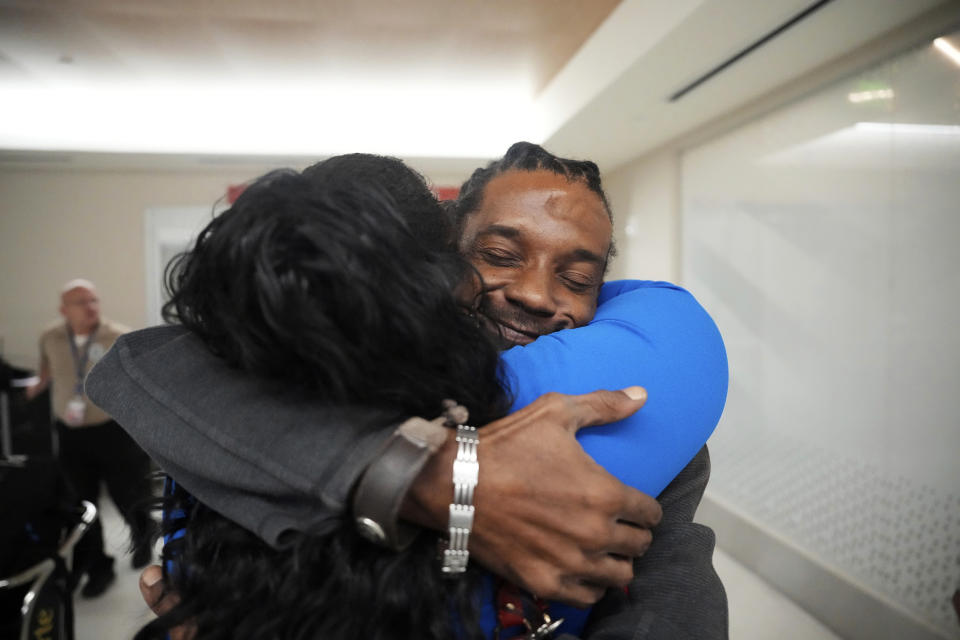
[76, 409]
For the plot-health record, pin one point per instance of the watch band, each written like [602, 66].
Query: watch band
[384, 484]
[466, 473]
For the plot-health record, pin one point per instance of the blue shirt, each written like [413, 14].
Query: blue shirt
[652, 334]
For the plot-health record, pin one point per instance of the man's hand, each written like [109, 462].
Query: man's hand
[548, 517]
[41, 385]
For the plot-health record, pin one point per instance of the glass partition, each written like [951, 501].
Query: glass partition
[823, 238]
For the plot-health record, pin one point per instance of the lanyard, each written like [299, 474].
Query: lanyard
[80, 359]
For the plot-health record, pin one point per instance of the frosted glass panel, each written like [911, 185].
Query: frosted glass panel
[823, 238]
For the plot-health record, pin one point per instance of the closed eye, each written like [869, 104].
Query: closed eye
[499, 257]
[578, 282]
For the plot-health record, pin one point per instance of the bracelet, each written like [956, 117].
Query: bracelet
[466, 472]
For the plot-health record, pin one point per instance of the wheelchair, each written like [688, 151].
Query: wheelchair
[42, 521]
[43, 591]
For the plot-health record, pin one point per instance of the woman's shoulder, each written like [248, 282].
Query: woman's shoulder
[656, 309]
[625, 296]
[614, 288]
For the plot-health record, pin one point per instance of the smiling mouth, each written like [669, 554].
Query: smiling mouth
[510, 334]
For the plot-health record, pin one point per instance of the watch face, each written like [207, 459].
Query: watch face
[371, 530]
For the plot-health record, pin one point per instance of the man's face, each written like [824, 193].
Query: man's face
[81, 308]
[540, 242]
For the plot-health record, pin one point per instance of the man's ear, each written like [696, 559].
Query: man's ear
[611, 254]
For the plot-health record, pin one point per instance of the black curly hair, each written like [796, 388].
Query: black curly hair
[337, 282]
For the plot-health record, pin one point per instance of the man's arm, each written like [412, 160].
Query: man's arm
[548, 517]
[202, 422]
[676, 593]
[560, 533]
[44, 377]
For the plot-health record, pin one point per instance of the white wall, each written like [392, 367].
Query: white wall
[644, 197]
[61, 224]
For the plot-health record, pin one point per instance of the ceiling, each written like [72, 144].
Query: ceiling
[204, 83]
[522, 43]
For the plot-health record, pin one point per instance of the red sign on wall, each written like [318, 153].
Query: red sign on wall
[234, 191]
[446, 193]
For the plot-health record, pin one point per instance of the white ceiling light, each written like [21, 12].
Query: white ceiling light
[948, 50]
[903, 128]
[857, 97]
[399, 118]
[878, 146]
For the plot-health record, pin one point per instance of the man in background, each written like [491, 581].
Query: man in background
[92, 447]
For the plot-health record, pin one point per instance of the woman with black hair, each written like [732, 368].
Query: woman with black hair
[320, 285]
[335, 292]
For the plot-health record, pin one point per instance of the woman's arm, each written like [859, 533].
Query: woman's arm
[270, 461]
[656, 335]
[652, 334]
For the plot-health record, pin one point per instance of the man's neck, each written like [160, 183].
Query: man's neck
[84, 331]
